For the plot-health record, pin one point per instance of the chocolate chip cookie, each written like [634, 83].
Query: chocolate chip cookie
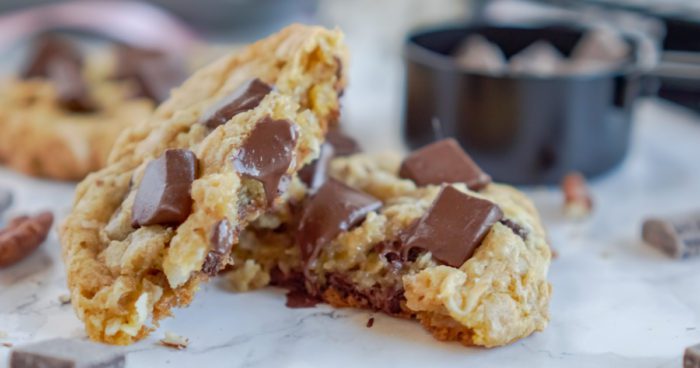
[61, 116]
[428, 238]
[166, 211]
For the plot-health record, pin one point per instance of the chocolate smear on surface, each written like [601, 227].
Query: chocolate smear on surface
[221, 241]
[155, 72]
[163, 196]
[443, 162]
[267, 154]
[454, 226]
[334, 208]
[246, 97]
[316, 173]
[60, 61]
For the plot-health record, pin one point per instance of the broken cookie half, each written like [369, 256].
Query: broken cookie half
[428, 238]
[168, 209]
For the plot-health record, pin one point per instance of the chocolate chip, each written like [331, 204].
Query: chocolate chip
[155, 72]
[315, 173]
[60, 61]
[267, 154]
[246, 97]
[454, 226]
[163, 197]
[678, 236]
[343, 144]
[517, 229]
[334, 208]
[221, 241]
[63, 352]
[443, 162]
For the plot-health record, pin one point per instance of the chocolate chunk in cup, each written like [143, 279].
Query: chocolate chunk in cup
[316, 173]
[454, 226]
[63, 352]
[443, 162]
[246, 97]
[335, 208]
[163, 196]
[266, 155]
[677, 236]
[222, 238]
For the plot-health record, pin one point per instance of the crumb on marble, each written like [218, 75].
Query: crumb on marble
[7, 344]
[175, 341]
[64, 299]
[370, 322]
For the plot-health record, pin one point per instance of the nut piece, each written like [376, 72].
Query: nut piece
[578, 203]
[175, 341]
[22, 236]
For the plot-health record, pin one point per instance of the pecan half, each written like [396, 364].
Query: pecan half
[22, 236]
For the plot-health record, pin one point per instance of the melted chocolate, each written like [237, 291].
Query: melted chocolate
[454, 226]
[246, 97]
[163, 196]
[221, 241]
[443, 162]
[267, 154]
[316, 173]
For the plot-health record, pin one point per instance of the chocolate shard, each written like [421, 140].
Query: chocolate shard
[333, 209]
[246, 97]
[443, 162]
[221, 241]
[63, 352]
[343, 144]
[678, 236]
[516, 228]
[267, 154]
[155, 72]
[60, 61]
[315, 173]
[454, 226]
[163, 197]
[691, 358]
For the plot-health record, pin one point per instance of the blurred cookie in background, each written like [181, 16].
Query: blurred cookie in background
[63, 110]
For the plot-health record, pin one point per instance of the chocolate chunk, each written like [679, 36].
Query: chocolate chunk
[221, 241]
[163, 197]
[691, 358]
[315, 173]
[154, 71]
[300, 299]
[343, 145]
[244, 98]
[443, 162]
[333, 209]
[68, 353]
[454, 226]
[678, 236]
[517, 229]
[267, 154]
[60, 61]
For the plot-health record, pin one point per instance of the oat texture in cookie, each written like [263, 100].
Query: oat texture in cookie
[61, 116]
[166, 211]
[469, 264]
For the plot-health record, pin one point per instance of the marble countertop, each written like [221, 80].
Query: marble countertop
[617, 302]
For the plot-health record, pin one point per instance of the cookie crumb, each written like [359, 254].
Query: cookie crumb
[578, 203]
[370, 322]
[64, 299]
[175, 341]
[7, 344]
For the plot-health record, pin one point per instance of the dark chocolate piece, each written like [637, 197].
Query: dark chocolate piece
[155, 72]
[267, 154]
[163, 197]
[443, 162]
[677, 236]
[454, 226]
[333, 209]
[343, 145]
[221, 240]
[517, 229]
[315, 173]
[244, 98]
[691, 358]
[67, 353]
[60, 61]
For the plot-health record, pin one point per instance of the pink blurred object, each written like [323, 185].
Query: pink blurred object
[132, 22]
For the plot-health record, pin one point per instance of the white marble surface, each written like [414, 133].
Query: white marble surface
[616, 302]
